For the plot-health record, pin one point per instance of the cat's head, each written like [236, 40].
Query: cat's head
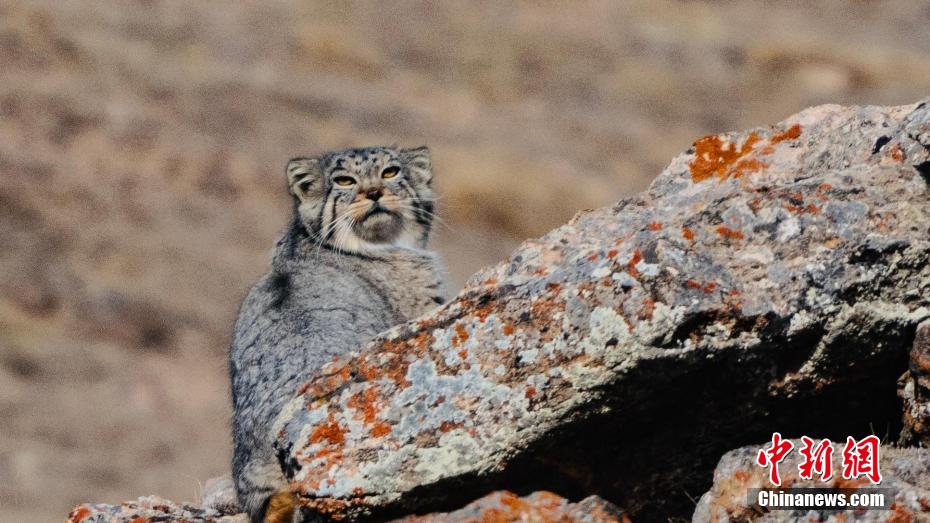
[362, 200]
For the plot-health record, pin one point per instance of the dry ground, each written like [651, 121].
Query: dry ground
[142, 146]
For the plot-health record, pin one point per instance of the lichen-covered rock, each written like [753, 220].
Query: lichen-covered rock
[914, 390]
[498, 507]
[504, 506]
[905, 472]
[219, 494]
[767, 280]
[150, 509]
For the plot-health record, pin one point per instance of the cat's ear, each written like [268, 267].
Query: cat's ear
[418, 164]
[304, 178]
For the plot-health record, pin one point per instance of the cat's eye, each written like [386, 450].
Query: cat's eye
[390, 172]
[344, 181]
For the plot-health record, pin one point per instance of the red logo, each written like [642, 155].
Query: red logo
[860, 458]
[773, 456]
[816, 460]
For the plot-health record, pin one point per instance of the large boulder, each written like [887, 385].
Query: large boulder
[767, 280]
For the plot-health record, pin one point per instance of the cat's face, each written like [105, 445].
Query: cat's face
[359, 200]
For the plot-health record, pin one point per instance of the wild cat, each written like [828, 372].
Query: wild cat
[352, 263]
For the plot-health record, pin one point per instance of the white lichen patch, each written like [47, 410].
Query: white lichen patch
[662, 326]
[788, 229]
[604, 326]
[453, 455]
[648, 269]
[537, 381]
[528, 356]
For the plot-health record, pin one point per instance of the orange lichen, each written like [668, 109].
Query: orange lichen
[326, 383]
[792, 133]
[687, 233]
[747, 166]
[897, 154]
[727, 232]
[446, 426]
[611, 254]
[461, 335]
[515, 504]
[380, 429]
[489, 281]
[325, 452]
[508, 329]
[593, 257]
[482, 313]
[546, 307]
[530, 393]
[649, 307]
[693, 284]
[330, 431]
[369, 372]
[714, 157]
[79, 514]
[634, 261]
[655, 226]
[710, 287]
[900, 514]
[366, 403]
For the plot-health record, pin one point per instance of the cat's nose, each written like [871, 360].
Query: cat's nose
[374, 194]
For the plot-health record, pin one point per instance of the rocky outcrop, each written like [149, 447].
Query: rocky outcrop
[906, 479]
[539, 506]
[499, 507]
[150, 509]
[769, 280]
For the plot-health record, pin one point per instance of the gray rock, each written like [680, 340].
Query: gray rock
[149, 509]
[767, 280]
[905, 472]
[501, 506]
[219, 494]
[914, 391]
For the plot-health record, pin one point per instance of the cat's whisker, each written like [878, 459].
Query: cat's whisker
[431, 215]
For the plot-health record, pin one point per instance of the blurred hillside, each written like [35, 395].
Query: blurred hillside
[142, 147]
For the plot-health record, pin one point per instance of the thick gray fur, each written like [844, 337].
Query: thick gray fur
[323, 298]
